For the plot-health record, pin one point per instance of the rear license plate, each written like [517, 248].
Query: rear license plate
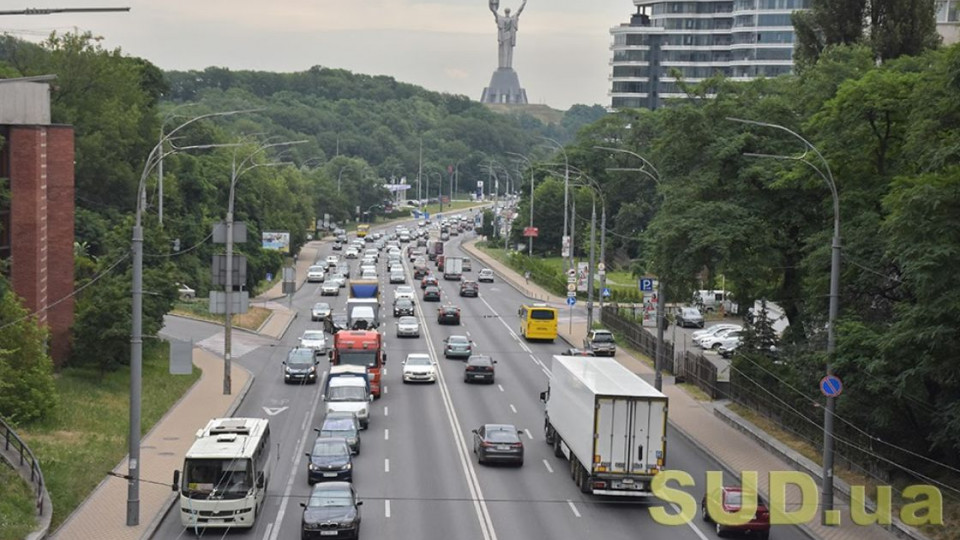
[628, 480]
[502, 447]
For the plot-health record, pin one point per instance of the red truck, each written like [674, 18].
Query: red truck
[360, 348]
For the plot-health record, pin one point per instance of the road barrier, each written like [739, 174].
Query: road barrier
[14, 447]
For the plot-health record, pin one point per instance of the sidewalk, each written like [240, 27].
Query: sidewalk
[306, 259]
[103, 514]
[696, 421]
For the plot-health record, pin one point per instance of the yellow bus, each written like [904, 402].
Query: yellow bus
[363, 229]
[538, 321]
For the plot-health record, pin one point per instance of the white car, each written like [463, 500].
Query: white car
[333, 261]
[316, 340]
[339, 278]
[419, 367]
[351, 253]
[316, 273]
[330, 288]
[725, 340]
[711, 331]
[408, 326]
[320, 311]
[485, 275]
[719, 334]
[368, 261]
[185, 292]
[404, 291]
[397, 276]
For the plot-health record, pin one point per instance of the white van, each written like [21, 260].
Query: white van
[711, 300]
[348, 392]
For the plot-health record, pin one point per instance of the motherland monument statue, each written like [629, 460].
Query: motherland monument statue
[505, 83]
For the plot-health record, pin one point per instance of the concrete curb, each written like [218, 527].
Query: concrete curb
[151, 529]
[797, 460]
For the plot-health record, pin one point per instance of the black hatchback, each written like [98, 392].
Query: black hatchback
[479, 368]
[448, 315]
[431, 293]
[330, 461]
[332, 511]
[402, 306]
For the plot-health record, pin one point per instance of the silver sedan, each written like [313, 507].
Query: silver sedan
[408, 326]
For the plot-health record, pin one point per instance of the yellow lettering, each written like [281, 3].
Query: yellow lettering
[673, 496]
[928, 511]
[748, 499]
[858, 506]
[780, 513]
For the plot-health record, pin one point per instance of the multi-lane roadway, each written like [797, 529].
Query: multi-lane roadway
[416, 474]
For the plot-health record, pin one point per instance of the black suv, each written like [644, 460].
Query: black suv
[402, 306]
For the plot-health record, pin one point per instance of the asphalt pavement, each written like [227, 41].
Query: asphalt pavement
[416, 472]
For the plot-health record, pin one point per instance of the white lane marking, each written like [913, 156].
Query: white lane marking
[266, 533]
[385, 389]
[297, 451]
[690, 524]
[522, 345]
[512, 408]
[386, 434]
[573, 508]
[386, 465]
[501, 388]
[547, 465]
[527, 431]
[386, 411]
[466, 463]
[386, 508]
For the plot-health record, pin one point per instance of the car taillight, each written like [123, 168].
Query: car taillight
[517, 445]
[471, 368]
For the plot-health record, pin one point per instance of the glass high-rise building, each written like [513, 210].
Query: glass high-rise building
[691, 40]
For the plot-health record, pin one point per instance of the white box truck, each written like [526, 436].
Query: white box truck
[609, 423]
[452, 268]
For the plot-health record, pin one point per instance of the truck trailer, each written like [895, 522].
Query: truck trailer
[609, 423]
[452, 268]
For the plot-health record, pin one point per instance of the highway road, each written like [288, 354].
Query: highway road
[416, 472]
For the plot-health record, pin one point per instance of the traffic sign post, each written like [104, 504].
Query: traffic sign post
[571, 301]
[572, 288]
[606, 292]
[831, 386]
[646, 284]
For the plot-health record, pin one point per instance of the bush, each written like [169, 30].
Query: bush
[26, 370]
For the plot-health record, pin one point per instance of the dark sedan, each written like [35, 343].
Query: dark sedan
[402, 306]
[431, 294]
[479, 368]
[469, 288]
[330, 461]
[498, 442]
[342, 425]
[448, 315]
[332, 511]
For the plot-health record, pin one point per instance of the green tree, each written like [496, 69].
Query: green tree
[27, 392]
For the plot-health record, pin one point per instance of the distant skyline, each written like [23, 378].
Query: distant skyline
[562, 55]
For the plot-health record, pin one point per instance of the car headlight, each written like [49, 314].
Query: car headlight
[311, 466]
[313, 370]
[348, 467]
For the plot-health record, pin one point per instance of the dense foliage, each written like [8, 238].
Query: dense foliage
[26, 370]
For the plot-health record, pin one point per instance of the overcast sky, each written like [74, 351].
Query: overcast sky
[562, 54]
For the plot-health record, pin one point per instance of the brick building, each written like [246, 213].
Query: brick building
[36, 222]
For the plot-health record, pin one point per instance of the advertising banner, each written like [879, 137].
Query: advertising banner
[276, 240]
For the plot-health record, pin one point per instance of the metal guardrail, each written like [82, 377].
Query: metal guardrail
[11, 439]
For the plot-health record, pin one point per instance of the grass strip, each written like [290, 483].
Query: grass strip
[18, 516]
[86, 435]
[197, 309]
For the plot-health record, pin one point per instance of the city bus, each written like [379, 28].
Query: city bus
[363, 229]
[226, 473]
[538, 321]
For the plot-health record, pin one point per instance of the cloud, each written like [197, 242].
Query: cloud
[456, 73]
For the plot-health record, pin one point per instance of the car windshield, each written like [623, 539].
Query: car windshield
[690, 312]
[330, 498]
[502, 435]
[458, 340]
[602, 337]
[404, 302]
[347, 393]
[229, 478]
[300, 358]
[405, 290]
[337, 425]
[418, 360]
[323, 306]
[542, 314]
[316, 269]
[358, 358]
[313, 336]
[408, 320]
[329, 448]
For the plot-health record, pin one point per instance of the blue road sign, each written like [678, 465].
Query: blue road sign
[831, 386]
[646, 284]
[269, 276]
[571, 300]
[606, 292]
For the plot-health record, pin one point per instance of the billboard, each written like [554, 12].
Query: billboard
[583, 269]
[276, 240]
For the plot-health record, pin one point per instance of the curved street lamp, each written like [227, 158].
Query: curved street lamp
[566, 198]
[826, 487]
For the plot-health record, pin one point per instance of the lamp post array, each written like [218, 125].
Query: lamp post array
[566, 201]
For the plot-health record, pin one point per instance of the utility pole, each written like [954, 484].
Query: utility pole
[420, 177]
[603, 259]
[566, 196]
[593, 263]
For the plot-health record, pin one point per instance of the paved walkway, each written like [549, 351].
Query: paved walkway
[102, 516]
[696, 420]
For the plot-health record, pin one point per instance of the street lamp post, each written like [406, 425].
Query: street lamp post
[566, 197]
[155, 156]
[339, 176]
[826, 487]
[529, 164]
[661, 298]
